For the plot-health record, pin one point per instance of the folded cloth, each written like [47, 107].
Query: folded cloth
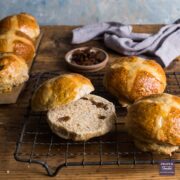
[164, 45]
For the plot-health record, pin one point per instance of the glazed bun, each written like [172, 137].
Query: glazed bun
[23, 22]
[13, 71]
[60, 90]
[131, 78]
[154, 122]
[17, 42]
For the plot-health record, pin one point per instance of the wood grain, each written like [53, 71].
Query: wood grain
[55, 43]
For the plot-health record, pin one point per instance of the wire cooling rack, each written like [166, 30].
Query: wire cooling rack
[37, 144]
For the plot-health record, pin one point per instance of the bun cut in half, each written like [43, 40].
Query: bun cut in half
[131, 78]
[154, 122]
[60, 90]
[91, 116]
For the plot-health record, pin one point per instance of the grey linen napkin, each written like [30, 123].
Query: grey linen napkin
[164, 45]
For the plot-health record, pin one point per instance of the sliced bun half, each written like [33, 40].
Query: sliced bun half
[88, 117]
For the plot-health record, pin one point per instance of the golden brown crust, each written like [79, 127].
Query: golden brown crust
[23, 50]
[155, 119]
[60, 90]
[157, 148]
[13, 71]
[23, 22]
[120, 75]
[131, 78]
[177, 99]
[18, 43]
[21, 34]
[172, 126]
[145, 84]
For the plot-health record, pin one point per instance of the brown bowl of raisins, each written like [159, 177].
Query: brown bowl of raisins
[86, 59]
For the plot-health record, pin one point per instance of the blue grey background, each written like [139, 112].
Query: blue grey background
[76, 12]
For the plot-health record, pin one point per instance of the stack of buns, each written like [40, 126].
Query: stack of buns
[18, 35]
[74, 113]
[153, 118]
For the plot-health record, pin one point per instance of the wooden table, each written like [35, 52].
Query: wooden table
[54, 45]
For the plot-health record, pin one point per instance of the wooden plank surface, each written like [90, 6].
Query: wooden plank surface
[55, 43]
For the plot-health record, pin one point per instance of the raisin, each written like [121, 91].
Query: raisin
[101, 117]
[65, 118]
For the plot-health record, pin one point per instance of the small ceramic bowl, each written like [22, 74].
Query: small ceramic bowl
[86, 68]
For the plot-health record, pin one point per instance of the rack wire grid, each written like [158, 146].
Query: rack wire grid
[37, 144]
